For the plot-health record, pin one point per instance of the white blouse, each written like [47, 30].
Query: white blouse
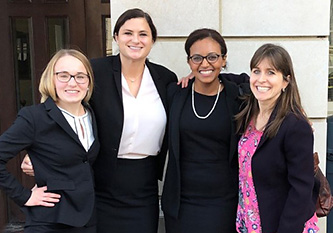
[82, 126]
[144, 120]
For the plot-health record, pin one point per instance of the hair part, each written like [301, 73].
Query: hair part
[289, 101]
[132, 14]
[46, 84]
[201, 34]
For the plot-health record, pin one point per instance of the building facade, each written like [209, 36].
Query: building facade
[34, 29]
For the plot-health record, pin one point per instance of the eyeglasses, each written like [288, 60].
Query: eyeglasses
[211, 58]
[64, 77]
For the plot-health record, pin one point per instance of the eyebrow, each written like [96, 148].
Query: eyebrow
[129, 30]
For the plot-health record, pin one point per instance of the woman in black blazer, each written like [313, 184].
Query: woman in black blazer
[201, 183]
[130, 106]
[276, 179]
[60, 136]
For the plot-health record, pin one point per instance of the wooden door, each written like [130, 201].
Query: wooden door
[31, 31]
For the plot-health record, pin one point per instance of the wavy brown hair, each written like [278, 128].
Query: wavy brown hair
[288, 102]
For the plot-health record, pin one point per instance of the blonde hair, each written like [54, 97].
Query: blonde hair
[46, 85]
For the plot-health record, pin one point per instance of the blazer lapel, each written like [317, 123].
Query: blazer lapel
[94, 127]
[116, 66]
[93, 120]
[160, 86]
[233, 108]
[264, 138]
[56, 115]
[178, 103]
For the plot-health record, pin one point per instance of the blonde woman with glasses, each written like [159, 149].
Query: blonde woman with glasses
[60, 136]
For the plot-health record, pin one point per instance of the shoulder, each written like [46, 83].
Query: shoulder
[162, 70]
[231, 88]
[158, 67]
[102, 60]
[237, 78]
[102, 63]
[31, 114]
[241, 81]
[175, 91]
[296, 125]
[293, 119]
[33, 109]
[172, 89]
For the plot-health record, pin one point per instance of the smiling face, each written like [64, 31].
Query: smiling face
[70, 93]
[205, 72]
[266, 83]
[135, 39]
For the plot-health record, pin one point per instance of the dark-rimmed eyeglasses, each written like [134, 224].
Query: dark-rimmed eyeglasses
[64, 77]
[211, 58]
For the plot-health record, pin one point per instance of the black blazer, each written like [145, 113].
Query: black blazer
[282, 169]
[60, 162]
[176, 98]
[108, 105]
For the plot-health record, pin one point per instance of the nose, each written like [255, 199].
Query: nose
[205, 62]
[262, 77]
[72, 81]
[135, 38]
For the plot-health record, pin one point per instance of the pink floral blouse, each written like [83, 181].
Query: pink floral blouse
[248, 217]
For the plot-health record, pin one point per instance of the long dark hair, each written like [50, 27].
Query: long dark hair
[288, 102]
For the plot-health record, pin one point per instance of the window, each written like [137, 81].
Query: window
[57, 34]
[107, 35]
[22, 37]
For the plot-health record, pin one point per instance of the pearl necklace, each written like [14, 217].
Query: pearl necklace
[210, 112]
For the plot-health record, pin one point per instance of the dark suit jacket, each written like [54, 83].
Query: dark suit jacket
[108, 105]
[60, 163]
[282, 169]
[177, 97]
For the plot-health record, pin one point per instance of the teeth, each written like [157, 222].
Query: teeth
[135, 48]
[206, 71]
[72, 91]
[263, 89]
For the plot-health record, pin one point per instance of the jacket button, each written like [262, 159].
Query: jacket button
[85, 161]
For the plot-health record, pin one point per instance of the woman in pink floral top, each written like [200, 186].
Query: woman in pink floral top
[276, 179]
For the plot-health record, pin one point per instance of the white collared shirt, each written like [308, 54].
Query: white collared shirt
[144, 120]
[82, 126]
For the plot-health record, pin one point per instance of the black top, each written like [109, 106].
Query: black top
[205, 151]
[174, 179]
[205, 139]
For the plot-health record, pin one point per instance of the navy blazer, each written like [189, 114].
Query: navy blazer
[282, 169]
[60, 162]
[177, 98]
[107, 103]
